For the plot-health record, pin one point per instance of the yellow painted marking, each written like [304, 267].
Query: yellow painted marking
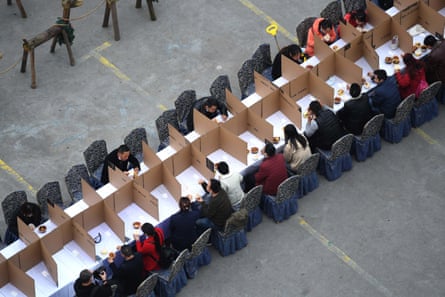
[268, 19]
[345, 258]
[425, 136]
[113, 68]
[17, 176]
[98, 49]
[162, 107]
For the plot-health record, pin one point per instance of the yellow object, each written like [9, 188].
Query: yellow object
[272, 29]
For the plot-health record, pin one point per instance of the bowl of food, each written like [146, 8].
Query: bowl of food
[306, 114]
[275, 139]
[335, 47]
[337, 100]
[417, 44]
[111, 255]
[42, 229]
[309, 67]
[254, 150]
[423, 48]
[366, 85]
[136, 225]
[340, 92]
[395, 60]
[388, 60]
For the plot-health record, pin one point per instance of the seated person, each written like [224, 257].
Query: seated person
[84, 286]
[323, 29]
[292, 52]
[384, 4]
[208, 106]
[183, 231]
[356, 111]
[149, 246]
[272, 171]
[130, 272]
[120, 158]
[435, 62]
[385, 97]
[357, 18]
[30, 214]
[231, 183]
[214, 214]
[411, 77]
[322, 128]
[296, 149]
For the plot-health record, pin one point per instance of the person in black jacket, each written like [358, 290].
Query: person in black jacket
[356, 111]
[30, 214]
[183, 231]
[130, 273]
[323, 127]
[119, 158]
[208, 106]
[292, 52]
[84, 286]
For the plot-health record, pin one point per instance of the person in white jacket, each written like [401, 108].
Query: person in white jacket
[231, 183]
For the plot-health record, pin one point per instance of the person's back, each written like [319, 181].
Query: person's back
[435, 63]
[219, 209]
[329, 130]
[387, 97]
[231, 183]
[296, 150]
[84, 286]
[183, 231]
[130, 273]
[272, 171]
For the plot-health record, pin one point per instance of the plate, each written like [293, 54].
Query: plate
[136, 225]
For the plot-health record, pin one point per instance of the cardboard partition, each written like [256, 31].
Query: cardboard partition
[430, 19]
[150, 157]
[341, 67]
[321, 49]
[290, 70]
[376, 15]
[371, 56]
[57, 215]
[90, 196]
[404, 4]
[321, 90]
[11, 273]
[354, 51]
[202, 125]
[99, 213]
[238, 123]
[26, 234]
[435, 4]
[263, 86]
[350, 36]
[380, 34]
[32, 255]
[234, 104]
[117, 177]
[405, 40]
[281, 102]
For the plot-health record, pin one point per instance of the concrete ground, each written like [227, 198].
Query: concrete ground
[377, 231]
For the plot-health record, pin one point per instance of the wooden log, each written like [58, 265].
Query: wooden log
[21, 8]
[33, 70]
[43, 37]
[117, 35]
[151, 9]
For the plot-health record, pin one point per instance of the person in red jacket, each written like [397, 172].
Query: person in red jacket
[149, 246]
[411, 77]
[323, 29]
[272, 171]
[357, 18]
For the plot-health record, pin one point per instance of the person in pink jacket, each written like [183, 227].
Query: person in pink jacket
[410, 78]
[323, 29]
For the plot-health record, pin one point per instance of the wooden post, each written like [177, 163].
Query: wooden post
[20, 6]
[151, 9]
[111, 7]
[33, 70]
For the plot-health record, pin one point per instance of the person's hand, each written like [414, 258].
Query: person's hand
[136, 236]
[199, 199]
[126, 173]
[31, 226]
[200, 181]
[370, 74]
[103, 275]
[224, 117]
[136, 171]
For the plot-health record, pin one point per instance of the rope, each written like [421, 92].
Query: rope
[86, 14]
[10, 67]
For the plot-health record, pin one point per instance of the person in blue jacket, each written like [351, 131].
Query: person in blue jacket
[385, 97]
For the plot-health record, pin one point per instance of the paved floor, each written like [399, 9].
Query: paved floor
[378, 231]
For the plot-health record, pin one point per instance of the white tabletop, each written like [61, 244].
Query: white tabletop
[312, 61]
[220, 155]
[281, 81]
[251, 99]
[166, 153]
[13, 248]
[133, 213]
[9, 290]
[166, 202]
[109, 239]
[44, 284]
[76, 208]
[189, 182]
[442, 11]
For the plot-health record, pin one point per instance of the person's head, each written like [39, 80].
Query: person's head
[211, 105]
[184, 204]
[293, 52]
[360, 17]
[290, 132]
[412, 65]
[214, 186]
[26, 210]
[126, 251]
[86, 277]
[325, 26]
[379, 76]
[315, 107]
[222, 167]
[430, 41]
[355, 90]
[123, 152]
[269, 149]
[148, 229]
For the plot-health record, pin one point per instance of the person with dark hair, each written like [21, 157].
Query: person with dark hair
[385, 97]
[120, 158]
[183, 231]
[272, 171]
[435, 61]
[208, 106]
[130, 272]
[149, 246]
[323, 127]
[323, 29]
[357, 18]
[430, 41]
[30, 214]
[296, 148]
[214, 214]
[231, 183]
[356, 111]
[411, 77]
[292, 52]
[84, 286]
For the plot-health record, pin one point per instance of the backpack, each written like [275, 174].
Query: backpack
[167, 256]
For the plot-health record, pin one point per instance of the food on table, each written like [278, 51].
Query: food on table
[335, 47]
[388, 60]
[42, 229]
[337, 100]
[104, 251]
[423, 48]
[306, 114]
[276, 139]
[111, 255]
[309, 67]
[136, 225]
[417, 44]
[395, 60]
[254, 150]
[366, 85]
[340, 92]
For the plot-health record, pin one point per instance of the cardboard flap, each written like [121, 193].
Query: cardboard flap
[171, 183]
[26, 234]
[29, 257]
[258, 126]
[53, 241]
[150, 157]
[84, 240]
[370, 56]
[233, 145]
[114, 222]
[290, 69]
[153, 177]
[291, 109]
[405, 40]
[347, 70]
[326, 68]
[263, 86]
[202, 124]
[234, 104]
[431, 19]
[209, 143]
[199, 162]
[122, 198]
[93, 216]
[57, 214]
[4, 272]
[321, 90]
[299, 86]
[237, 124]
[50, 263]
[21, 280]
[89, 195]
[271, 104]
[117, 177]
[321, 49]
[177, 140]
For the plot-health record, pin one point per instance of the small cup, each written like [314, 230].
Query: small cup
[254, 150]
[337, 100]
[42, 229]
